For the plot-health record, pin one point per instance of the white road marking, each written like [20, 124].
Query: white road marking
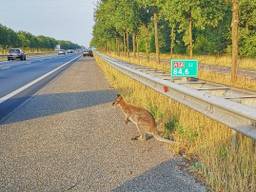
[5, 67]
[19, 90]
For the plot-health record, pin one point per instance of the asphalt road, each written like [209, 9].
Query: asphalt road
[16, 74]
[68, 137]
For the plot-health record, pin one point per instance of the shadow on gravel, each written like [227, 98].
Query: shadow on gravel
[50, 104]
[162, 178]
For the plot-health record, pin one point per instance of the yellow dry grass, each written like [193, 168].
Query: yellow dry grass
[225, 168]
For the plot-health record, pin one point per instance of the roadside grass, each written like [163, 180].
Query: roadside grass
[225, 79]
[205, 142]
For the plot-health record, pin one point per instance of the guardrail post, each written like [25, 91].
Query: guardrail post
[253, 146]
[254, 141]
[234, 139]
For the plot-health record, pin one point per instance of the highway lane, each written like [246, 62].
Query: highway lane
[15, 74]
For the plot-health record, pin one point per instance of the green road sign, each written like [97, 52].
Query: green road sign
[184, 68]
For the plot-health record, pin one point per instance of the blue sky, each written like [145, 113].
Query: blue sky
[62, 19]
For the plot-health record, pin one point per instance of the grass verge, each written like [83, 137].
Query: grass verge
[206, 142]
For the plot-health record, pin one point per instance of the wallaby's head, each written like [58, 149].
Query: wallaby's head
[117, 100]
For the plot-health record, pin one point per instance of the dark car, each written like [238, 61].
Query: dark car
[88, 52]
[16, 53]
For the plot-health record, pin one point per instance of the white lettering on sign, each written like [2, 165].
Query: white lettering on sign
[178, 64]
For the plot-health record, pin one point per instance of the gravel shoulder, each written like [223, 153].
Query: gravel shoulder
[68, 137]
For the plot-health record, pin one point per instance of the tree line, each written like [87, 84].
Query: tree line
[174, 26]
[9, 38]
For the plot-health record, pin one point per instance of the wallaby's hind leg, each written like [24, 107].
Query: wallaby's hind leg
[135, 138]
[141, 136]
[148, 136]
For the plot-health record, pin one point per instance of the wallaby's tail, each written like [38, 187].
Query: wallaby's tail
[157, 137]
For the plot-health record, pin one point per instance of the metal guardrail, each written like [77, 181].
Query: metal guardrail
[238, 117]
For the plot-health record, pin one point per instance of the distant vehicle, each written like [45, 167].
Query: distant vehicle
[88, 52]
[61, 52]
[70, 51]
[16, 53]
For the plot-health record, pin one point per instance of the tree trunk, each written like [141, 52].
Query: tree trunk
[118, 47]
[190, 37]
[156, 39]
[124, 48]
[137, 44]
[127, 43]
[134, 44]
[173, 37]
[147, 44]
[235, 22]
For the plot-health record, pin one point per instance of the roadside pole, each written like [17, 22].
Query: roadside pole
[234, 67]
[235, 22]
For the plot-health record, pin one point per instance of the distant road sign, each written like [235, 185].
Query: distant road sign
[184, 68]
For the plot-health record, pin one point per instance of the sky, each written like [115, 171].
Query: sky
[61, 19]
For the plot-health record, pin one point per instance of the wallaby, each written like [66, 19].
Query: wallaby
[142, 118]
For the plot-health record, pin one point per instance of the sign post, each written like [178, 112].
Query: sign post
[184, 68]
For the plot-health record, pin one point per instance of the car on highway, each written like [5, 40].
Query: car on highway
[61, 52]
[88, 52]
[70, 51]
[16, 53]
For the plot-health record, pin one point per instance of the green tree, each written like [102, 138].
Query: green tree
[153, 6]
[193, 14]
[247, 27]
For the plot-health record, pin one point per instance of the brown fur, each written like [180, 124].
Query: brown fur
[142, 118]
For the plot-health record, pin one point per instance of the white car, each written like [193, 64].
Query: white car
[61, 52]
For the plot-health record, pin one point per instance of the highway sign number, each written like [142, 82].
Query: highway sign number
[184, 68]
